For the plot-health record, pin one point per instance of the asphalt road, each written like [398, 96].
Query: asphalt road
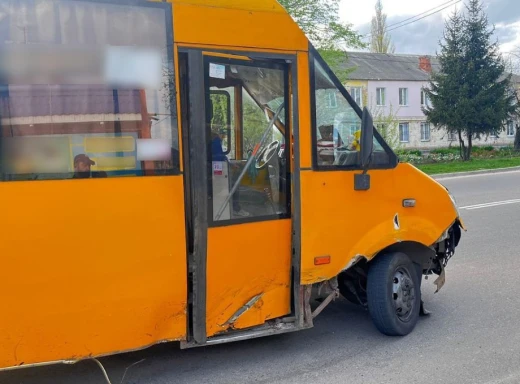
[471, 337]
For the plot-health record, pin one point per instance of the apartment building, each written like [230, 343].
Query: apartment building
[393, 85]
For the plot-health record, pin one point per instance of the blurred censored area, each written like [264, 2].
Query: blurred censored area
[86, 90]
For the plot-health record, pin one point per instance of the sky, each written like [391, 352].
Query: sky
[422, 37]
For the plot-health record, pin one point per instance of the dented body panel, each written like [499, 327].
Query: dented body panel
[345, 223]
[252, 267]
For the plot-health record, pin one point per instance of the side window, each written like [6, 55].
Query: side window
[338, 131]
[96, 98]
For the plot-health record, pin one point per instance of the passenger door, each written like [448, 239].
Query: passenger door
[239, 169]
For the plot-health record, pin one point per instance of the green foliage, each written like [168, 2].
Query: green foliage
[470, 96]
[472, 165]
[254, 125]
[449, 155]
[220, 111]
[445, 151]
[380, 39]
[387, 124]
[320, 21]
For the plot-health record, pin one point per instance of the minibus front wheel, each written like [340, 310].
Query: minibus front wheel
[394, 293]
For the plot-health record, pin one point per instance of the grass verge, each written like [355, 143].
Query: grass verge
[466, 166]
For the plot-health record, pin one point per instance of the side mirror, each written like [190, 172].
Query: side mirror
[362, 181]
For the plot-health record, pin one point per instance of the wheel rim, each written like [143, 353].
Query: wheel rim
[403, 294]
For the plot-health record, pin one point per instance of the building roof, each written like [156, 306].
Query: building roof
[391, 67]
[515, 78]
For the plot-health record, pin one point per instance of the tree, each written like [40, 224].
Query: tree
[446, 87]
[387, 125]
[320, 21]
[513, 61]
[472, 94]
[381, 42]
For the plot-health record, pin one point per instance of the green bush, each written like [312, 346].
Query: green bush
[445, 151]
[488, 148]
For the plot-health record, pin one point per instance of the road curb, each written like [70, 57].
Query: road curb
[479, 172]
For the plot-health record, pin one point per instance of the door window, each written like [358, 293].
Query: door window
[247, 116]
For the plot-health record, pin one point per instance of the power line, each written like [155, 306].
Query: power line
[424, 17]
[420, 14]
[426, 14]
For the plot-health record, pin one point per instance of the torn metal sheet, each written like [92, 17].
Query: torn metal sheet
[243, 310]
[354, 261]
[397, 226]
[441, 280]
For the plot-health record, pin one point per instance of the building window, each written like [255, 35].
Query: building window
[452, 136]
[404, 132]
[332, 102]
[510, 128]
[357, 95]
[381, 96]
[425, 100]
[425, 132]
[403, 97]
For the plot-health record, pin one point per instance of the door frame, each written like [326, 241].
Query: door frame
[197, 193]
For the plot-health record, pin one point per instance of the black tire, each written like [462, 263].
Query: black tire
[394, 314]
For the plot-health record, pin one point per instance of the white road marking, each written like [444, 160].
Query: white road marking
[490, 205]
[440, 178]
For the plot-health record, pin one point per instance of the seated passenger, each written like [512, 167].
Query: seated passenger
[82, 168]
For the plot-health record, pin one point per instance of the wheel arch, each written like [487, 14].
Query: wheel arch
[419, 253]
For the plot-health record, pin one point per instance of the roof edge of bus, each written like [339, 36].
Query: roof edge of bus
[250, 5]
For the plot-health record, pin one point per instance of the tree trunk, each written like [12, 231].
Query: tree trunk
[462, 146]
[469, 147]
[517, 138]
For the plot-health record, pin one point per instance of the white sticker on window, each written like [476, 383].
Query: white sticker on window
[217, 71]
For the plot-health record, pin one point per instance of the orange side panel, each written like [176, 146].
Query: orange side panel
[208, 25]
[90, 267]
[245, 261]
[342, 223]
